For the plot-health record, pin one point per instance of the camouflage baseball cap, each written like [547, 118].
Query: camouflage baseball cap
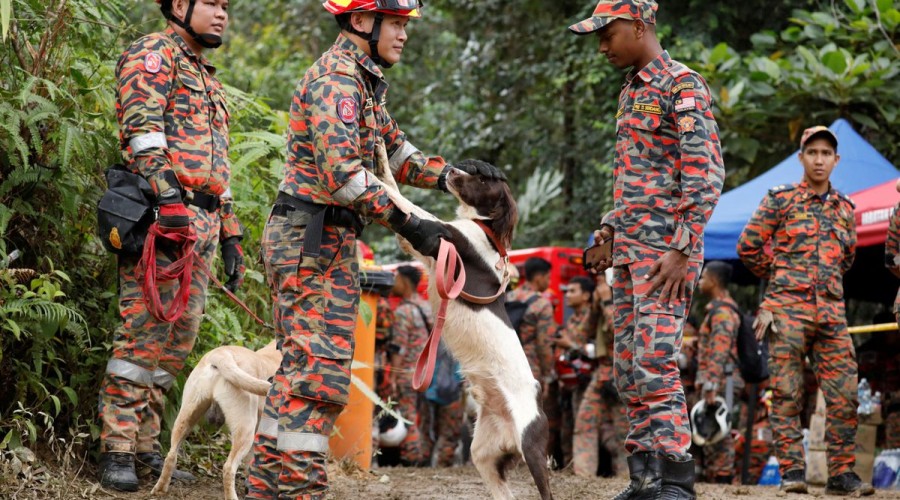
[609, 10]
[819, 131]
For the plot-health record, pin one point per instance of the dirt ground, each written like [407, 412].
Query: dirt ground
[460, 483]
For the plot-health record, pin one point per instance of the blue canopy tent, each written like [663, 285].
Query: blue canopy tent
[861, 167]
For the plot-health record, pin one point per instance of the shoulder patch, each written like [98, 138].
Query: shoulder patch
[346, 109]
[682, 86]
[686, 124]
[153, 62]
[685, 104]
[782, 188]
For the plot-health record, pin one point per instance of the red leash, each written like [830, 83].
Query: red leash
[212, 277]
[449, 287]
[179, 270]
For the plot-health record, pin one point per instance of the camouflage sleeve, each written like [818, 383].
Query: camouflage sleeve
[403, 325]
[723, 325]
[758, 232]
[231, 226]
[546, 329]
[528, 338]
[892, 244]
[408, 164]
[850, 254]
[143, 80]
[702, 170]
[335, 138]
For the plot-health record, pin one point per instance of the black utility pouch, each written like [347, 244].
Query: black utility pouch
[125, 211]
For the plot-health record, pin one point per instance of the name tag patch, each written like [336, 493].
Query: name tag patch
[653, 109]
[686, 104]
[681, 86]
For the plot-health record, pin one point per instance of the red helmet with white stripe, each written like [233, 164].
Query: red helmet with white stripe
[407, 8]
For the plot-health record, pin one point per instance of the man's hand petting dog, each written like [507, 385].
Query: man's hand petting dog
[483, 168]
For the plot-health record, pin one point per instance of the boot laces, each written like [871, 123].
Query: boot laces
[624, 495]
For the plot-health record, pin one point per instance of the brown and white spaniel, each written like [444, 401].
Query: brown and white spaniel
[511, 424]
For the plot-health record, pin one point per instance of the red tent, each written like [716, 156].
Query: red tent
[873, 212]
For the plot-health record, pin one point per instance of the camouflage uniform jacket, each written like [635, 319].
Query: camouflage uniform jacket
[717, 345]
[337, 112]
[813, 243]
[536, 330]
[172, 116]
[410, 331]
[668, 167]
[578, 327]
[892, 249]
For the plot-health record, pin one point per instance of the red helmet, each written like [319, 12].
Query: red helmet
[408, 8]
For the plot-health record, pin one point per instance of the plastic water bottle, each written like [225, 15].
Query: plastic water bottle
[885, 469]
[864, 393]
[771, 473]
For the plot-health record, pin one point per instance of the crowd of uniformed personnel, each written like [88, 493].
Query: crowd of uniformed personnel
[611, 376]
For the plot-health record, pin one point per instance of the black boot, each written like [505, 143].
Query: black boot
[678, 480]
[645, 471]
[117, 471]
[151, 463]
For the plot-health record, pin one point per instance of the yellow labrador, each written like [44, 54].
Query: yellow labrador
[236, 379]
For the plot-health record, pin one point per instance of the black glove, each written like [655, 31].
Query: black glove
[424, 235]
[482, 168]
[233, 258]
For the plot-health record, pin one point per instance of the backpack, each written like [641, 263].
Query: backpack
[516, 310]
[753, 357]
[446, 383]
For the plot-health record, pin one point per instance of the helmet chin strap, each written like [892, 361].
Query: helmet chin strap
[207, 40]
[372, 38]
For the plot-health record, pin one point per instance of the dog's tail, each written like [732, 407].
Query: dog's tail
[239, 378]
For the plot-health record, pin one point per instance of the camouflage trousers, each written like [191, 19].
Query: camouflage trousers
[315, 305]
[829, 347]
[147, 353]
[569, 401]
[409, 404]
[648, 339]
[441, 431]
[601, 421]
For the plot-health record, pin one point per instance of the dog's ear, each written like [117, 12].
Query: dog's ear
[505, 216]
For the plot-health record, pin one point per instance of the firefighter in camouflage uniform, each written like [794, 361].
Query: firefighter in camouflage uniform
[812, 232]
[601, 421]
[173, 128]
[572, 367]
[328, 193]
[716, 348]
[412, 324]
[668, 177]
[892, 396]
